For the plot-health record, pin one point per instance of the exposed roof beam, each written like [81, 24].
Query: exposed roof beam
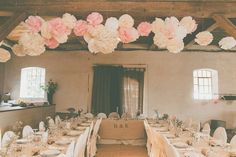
[210, 29]
[149, 8]
[225, 24]
[11, 23]
[6, 13]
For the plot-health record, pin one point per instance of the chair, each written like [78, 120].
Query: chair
[81, 144]
[93, 143]
[70, 149]
[41, 126]
[27, 131]
[196, 126]
[171, 151]
[187, 123]
[206, 129]
[7, 137]
[126, 116]
[101, 115]
[89, 140]
[233, 142]
[51, 123]
[89, 115]
[220, 134]
[57, 120]
[114, 115]
[215, 124]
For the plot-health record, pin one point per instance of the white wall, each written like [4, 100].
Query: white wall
[168, 80]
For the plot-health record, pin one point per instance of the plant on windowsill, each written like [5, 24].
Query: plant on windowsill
[50, 88]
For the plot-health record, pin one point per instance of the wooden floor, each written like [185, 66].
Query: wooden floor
[121, 151]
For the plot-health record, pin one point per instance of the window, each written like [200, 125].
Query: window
[32, 78]
[205, 83]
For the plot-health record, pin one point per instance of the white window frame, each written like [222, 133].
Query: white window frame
[205, 80]
[26, 75]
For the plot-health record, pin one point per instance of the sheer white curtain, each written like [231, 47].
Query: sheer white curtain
[131, 94]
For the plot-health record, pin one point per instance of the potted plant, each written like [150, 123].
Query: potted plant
[50, 88]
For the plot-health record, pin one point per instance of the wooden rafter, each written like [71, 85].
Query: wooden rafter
[209, 28]
[148, 8]
[11, 23]
[225, 24]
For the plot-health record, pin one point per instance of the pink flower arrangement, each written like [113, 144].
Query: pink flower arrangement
[95, 18]
[52, 43]
[128, 35]
[80, 28]
[34, 23]
[144, 28]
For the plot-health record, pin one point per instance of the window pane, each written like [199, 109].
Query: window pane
[32, 79]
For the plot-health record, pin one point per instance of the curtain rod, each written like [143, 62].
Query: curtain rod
[124, 65]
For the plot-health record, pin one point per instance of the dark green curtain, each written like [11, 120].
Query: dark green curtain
[137, 74]
[107, 89]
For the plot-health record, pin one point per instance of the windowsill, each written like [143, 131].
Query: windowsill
[16, 108]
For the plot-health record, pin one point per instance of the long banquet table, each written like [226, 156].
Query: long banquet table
[202, 147]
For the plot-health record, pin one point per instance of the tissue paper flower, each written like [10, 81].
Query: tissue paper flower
[94, 18]
[112, 24]
[19, 50]
[80, 28]
[175, 45]
[4, 55]
[51, 43]
[144, 28]
[204, 38]
[189, 23]
[34, 23]
[126, 21]
[128, 35]
[69, 20]
[227, 43]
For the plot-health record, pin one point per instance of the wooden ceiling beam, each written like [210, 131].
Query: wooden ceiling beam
[11, 23]
[200, 9]
[6, 13]
[225, 24]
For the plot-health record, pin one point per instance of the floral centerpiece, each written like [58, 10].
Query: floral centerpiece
[50, 88]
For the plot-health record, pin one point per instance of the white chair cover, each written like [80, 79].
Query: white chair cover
[220, 134]
[93, 148]
[171, 151]
[114, 115]
[187, 123]
[57, 120]
[101, 115]
[89, 140]
[81, 144]
[89, 115]
[141, 117]
[126, 116]
[233, 142]
[70, 149]
[206, 129]
[196, 126]
[41, 126]
[79, 147]
[7, 136]
[27, 131]
[51, 123]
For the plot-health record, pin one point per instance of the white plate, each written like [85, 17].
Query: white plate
[85, 124]
[169, 136]
[50, 153]
[180, 145]
[81, 128]
[22, 141]
[74, 133]
[63, 142]
[162, 129]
